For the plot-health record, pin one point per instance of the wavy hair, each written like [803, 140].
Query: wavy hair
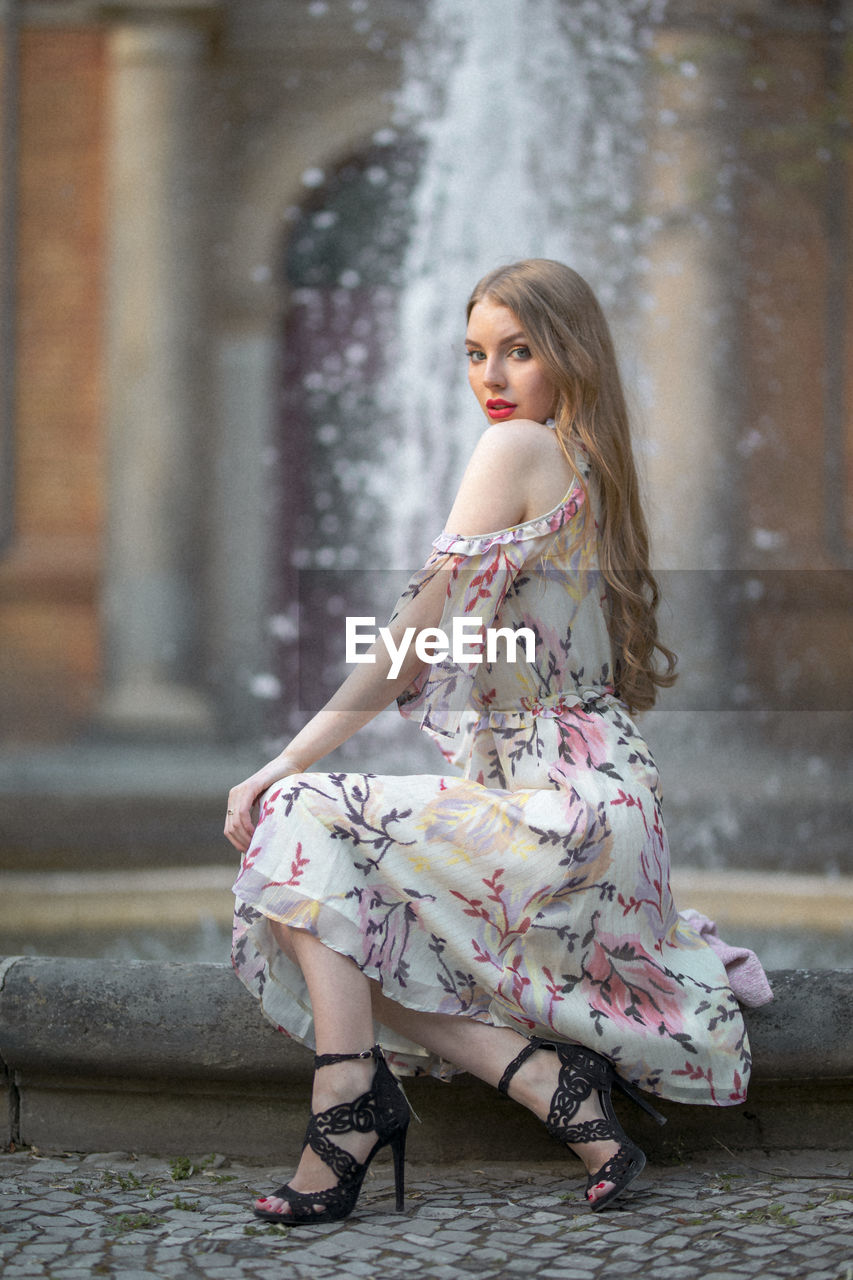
[569, 335]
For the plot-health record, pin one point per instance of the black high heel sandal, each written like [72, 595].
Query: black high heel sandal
[582, 1071]
[382, 1109]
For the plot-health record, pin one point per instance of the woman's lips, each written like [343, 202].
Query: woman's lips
[500, 409]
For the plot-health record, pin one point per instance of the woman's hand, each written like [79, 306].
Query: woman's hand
[362, 695]
[242, 813]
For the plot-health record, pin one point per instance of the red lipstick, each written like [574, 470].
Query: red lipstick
[499, 409]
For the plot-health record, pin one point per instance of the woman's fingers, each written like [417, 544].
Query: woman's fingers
[239, 817]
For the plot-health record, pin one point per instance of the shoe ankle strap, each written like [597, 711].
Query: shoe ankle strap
[329, 1059]
[532, 1045]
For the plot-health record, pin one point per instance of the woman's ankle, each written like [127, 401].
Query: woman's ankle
[535, 1081]
[342, 1082]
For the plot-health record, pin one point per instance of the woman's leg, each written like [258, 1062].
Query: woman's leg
[485, 1051]
[344, 1003]
[343, 1023]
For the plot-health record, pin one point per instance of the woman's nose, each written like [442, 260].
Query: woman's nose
[493, 375]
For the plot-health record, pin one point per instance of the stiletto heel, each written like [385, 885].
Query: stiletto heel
[643, 1103]
[383, 1110]
[583, 1071]
[398, 1151]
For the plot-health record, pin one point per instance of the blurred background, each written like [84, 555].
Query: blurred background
[237, 241]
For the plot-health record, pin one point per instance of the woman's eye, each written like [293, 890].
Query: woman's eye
[474, 356]
[521, 353]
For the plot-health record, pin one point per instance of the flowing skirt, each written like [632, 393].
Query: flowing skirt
[532, 894]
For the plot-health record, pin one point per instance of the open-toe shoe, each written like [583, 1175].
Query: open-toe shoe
[383, 1110]
[582, 1072]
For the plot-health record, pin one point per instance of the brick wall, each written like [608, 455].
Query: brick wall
[49, 577]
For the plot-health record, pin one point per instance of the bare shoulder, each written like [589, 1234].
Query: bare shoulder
[492, 495]
[521, 439]
[544, 473]
[512, 471]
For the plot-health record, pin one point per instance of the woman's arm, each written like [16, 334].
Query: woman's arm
[491, 496]
[362, 695]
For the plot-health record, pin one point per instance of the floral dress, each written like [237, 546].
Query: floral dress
[532, 891]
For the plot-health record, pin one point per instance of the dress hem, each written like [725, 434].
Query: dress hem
[407, 1056]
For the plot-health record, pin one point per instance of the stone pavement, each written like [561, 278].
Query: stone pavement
[715, 1217]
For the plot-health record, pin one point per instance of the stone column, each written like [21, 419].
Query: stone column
[243, 549]
[155, 325]
[688, 351]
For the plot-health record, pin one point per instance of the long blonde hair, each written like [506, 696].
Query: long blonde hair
[569, 335]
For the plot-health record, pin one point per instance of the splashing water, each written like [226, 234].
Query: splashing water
[519, 131]
[529, 112]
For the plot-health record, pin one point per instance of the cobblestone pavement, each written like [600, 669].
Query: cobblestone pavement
[766, 1216]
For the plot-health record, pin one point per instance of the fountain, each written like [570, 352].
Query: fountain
[686, 182]
[533, 154]
[581, 132]
[486, 164]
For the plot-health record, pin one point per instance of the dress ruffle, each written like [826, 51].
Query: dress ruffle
[480, 573]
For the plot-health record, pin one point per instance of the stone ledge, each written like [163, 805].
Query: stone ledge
[176, 1057]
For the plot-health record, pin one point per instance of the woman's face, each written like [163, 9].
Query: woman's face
[507, 379]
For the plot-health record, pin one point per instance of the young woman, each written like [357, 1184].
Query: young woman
[516, 921]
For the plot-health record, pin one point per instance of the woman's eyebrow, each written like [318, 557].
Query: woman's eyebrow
[505, 342]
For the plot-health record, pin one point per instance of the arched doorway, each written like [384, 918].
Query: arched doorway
[341, 267]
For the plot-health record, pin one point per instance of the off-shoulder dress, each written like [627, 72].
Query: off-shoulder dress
[533, 890]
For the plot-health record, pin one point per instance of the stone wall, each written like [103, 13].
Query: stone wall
[176, 1058]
